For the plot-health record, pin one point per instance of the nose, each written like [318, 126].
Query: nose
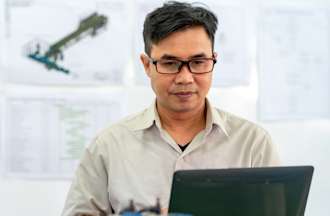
[184, 76]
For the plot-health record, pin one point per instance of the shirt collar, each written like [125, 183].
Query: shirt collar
[149, 117]
[145, 119]
[213, 117]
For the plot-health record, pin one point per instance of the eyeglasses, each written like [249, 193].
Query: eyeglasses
[173, 66]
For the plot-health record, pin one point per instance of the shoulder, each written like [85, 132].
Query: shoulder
[238, 125]
[252, 136]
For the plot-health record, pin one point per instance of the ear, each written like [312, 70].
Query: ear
[215, 55]
[146, 64]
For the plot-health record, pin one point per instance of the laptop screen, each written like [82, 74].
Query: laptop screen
[271, 191]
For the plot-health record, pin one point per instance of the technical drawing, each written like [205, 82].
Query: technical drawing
[48, 55]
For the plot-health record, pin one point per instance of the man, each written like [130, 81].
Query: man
[136, 158]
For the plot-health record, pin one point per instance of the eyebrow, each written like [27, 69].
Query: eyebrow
[172, 57]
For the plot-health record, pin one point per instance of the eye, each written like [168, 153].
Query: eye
[169, 63]
[198, 61]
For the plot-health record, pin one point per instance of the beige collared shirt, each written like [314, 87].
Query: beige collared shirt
[135, 159]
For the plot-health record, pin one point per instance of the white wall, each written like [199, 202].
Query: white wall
[299, 142]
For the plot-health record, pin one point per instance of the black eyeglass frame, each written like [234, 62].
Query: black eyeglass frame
[154, 62]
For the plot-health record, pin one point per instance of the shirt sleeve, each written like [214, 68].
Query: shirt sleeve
[265, 152]
[88, 194]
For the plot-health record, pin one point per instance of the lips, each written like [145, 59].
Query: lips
[184, 95]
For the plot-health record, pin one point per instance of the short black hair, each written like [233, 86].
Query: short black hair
[174, 16]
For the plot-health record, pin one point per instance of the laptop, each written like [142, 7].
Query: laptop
[268, 191]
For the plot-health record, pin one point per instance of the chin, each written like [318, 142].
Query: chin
[183, 108]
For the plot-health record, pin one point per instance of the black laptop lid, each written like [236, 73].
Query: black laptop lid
[271, 191]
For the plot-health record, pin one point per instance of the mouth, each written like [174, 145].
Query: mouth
[184, 95]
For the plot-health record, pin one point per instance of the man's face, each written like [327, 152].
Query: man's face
[183, 91]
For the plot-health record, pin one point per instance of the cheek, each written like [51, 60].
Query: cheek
[204, 83]
[160, 85]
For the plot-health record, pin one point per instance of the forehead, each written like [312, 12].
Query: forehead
[183, 44]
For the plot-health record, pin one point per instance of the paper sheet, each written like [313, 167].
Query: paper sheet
[232, 68]
[46, 136]
[1, 132]
[294, 64]
[97, 54]
[2, 44]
